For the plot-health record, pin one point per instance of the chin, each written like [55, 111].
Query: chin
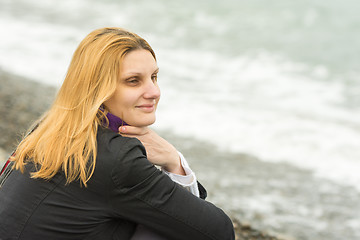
[144, 122]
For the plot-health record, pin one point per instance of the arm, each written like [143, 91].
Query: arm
[161, 153]
[145, 195]
[188, 182]
[158, 151]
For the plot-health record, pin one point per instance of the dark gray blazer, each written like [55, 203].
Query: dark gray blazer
[124, 190]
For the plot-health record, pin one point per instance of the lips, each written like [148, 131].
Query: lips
[146, 107]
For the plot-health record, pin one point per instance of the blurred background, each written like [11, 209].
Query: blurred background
[263, 96]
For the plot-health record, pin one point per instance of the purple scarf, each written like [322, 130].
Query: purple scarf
[115, 122]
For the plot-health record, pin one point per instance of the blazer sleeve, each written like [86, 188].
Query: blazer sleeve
[145, 195]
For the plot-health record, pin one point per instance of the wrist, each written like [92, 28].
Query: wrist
[175, 167]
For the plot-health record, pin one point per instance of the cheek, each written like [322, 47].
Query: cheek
[118, 103]
[128, 99]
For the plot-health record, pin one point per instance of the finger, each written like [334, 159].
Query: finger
[131, 130]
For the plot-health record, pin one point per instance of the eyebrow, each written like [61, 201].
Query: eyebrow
[140, 73]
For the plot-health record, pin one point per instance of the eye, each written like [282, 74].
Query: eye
[132, 81]
[154, 77]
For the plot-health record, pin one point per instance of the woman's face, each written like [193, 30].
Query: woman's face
[137, 93]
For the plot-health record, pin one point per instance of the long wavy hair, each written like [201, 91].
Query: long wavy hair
[65, 137]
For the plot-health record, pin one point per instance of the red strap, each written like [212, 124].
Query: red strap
[7, 163]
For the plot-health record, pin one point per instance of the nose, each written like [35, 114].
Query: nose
[152, 90]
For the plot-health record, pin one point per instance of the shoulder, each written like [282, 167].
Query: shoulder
[126, 157]
[116, 159]
[113, 150]
[114, 145]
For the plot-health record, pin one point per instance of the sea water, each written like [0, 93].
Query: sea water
[277, 80]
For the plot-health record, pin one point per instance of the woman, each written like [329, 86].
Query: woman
[76, 177]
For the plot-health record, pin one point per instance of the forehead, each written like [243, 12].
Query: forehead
[139, 60]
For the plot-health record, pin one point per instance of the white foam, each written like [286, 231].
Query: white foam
[264, 106]
[40, 48]
[38, 51]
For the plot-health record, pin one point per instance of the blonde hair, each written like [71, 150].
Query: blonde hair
[65, 138]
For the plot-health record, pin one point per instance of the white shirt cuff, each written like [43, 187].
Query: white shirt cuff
[188, 181]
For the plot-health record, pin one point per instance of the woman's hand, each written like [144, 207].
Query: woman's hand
[159, 151]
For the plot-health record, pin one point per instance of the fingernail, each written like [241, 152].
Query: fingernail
[122, 129]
